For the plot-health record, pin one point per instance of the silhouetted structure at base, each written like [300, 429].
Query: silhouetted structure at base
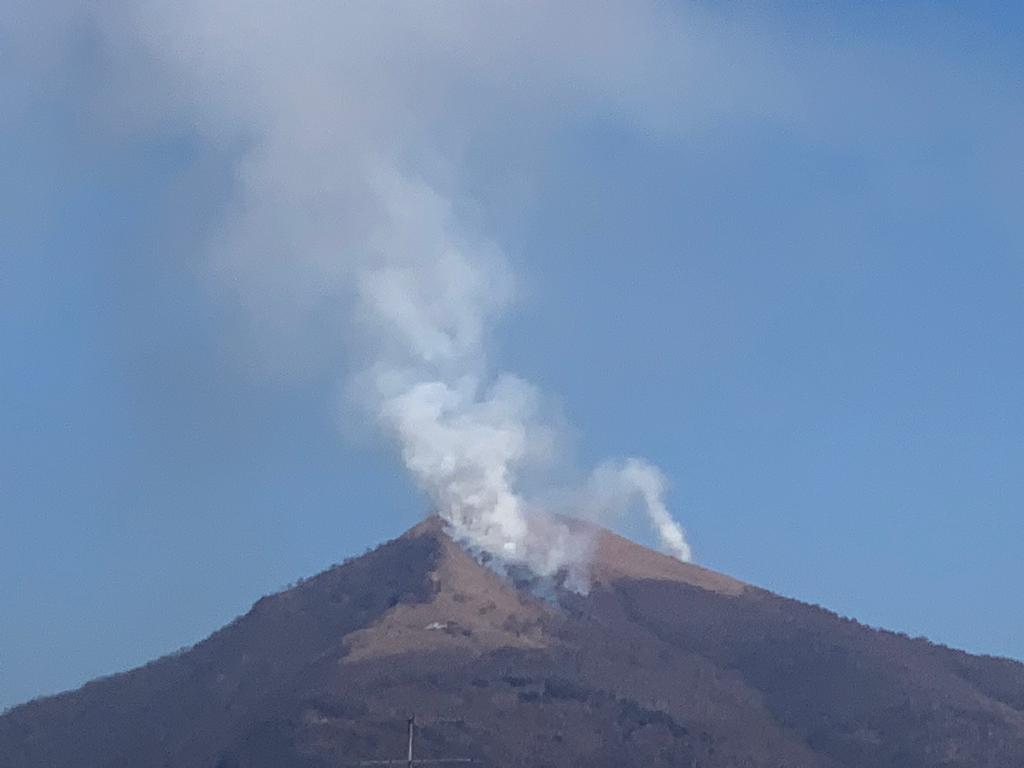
[411, 760]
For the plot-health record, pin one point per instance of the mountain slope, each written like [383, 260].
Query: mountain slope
[661, 664]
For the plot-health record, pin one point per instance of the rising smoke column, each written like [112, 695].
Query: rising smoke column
[616, 488]
[464, 432]
[349, 116]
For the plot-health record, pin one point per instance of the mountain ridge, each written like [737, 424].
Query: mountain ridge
[661, 663]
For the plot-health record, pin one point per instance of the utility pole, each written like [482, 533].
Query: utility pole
[411, 760]
[412, 730]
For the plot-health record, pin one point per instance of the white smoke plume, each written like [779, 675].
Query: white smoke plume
[348, 227]
[465, 433]
[617, 488]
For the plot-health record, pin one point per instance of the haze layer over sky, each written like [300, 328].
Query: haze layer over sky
[778, 253]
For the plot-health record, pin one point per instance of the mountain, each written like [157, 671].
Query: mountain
[661, 664]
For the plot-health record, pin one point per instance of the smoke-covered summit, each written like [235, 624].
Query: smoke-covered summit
[465, 432]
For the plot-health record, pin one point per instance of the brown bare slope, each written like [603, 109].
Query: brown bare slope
[662, 664]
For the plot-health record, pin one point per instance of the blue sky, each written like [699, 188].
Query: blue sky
[780, 256]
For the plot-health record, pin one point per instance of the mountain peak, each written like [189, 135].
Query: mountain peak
[613, 557]
[469, 607]
[662, 663]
